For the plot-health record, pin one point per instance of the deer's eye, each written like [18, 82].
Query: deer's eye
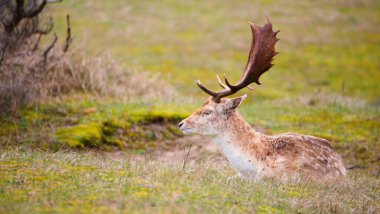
[206, 112]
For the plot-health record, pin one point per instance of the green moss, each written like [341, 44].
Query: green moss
[114, 142]
[158, 113]
[111, 126]
[115, 132]
[166, 135]
[132, 135]
[151, 136]
[174, 130]
[80, 135]
[7, 128]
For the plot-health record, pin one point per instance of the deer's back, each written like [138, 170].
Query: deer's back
[293, 155]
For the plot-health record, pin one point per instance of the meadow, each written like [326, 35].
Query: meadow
[84, 152]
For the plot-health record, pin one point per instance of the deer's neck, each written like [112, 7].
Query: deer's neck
[236, 132]
[235, 138]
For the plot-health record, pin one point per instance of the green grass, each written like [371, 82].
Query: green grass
[325, 83]
[323, 44]
[70, 182]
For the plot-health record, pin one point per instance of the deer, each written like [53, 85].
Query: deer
[288, 157]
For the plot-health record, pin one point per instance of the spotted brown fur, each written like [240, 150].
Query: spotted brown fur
[285, 157]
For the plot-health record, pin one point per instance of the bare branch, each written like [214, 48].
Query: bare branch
[35, 47]
[20, 11]
[3, 53]
[48, 49]
[68, 36]
[53, 1]
[33, 10]
[48, 29]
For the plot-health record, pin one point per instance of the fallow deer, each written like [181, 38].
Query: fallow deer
[288, 157]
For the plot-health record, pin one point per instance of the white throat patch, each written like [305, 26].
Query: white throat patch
[239, 161]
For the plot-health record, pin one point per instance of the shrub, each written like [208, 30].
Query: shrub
[26, 70]
[29, 73]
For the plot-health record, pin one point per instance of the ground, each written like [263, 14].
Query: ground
[85, 153]
[72, 182]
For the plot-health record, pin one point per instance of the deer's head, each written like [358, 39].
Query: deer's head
[212, 116]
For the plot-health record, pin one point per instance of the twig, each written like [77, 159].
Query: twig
[47, 30]
[37, 43]
[3, 53]
[185, 157]
[53, 1]
[48, 49]
[68, 37]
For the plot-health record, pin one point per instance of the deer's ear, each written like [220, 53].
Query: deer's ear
[233, 103]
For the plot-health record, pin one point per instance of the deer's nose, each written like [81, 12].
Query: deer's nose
[180, 124]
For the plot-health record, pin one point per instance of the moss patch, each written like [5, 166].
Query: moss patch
[119, 133]
[81, 135]
[158, 114]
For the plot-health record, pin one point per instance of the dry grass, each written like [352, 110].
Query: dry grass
[100, 75]
[30, 73]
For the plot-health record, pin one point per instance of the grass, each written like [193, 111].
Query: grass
[70, 182]
[325, 83]
[323, 44]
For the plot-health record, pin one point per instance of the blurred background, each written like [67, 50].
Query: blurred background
[140, 59]
[325, 80]
[332, 46]
[128, 77]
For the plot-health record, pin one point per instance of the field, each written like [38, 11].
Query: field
[87, 153]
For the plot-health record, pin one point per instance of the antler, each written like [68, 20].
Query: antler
[259, 61]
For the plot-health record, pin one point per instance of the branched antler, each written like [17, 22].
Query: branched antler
[259, 61]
